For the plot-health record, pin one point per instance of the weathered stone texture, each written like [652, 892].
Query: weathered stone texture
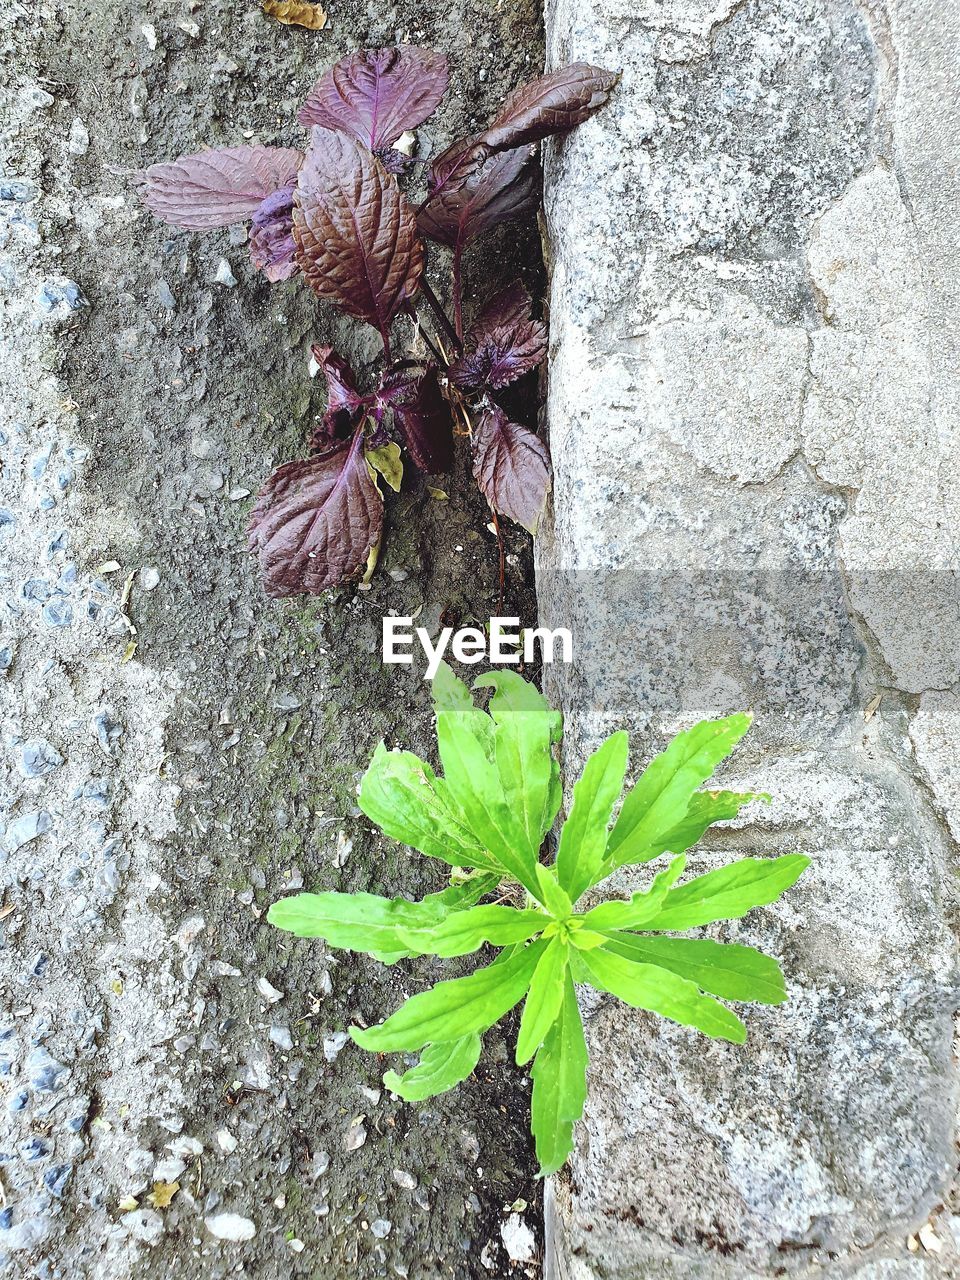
[754, 420]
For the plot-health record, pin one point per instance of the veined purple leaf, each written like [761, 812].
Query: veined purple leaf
[505, 343]
[478, 192]
[375, 95]
[356, 234]
[343, 398]
[218, 187]
[315, 521]
[271, 237]
[553, 103]
[511, 468]
[423, 417]
[550, 104]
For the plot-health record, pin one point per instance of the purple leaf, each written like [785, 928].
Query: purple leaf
[356, 234]
[553, 103]
[375, 95]
[343, 398]
[218, 187]
[315, 521]
[463, 176]
[476, 192]
[511, 468]
[423, 417]
[271, 238]
[505, 343]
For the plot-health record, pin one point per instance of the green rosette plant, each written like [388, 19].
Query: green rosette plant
[487, 817]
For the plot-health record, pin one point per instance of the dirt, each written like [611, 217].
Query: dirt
[243, 724]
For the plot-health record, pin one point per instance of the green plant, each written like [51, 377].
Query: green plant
[487, 817]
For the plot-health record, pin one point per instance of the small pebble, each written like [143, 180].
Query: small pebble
[333, 1043]
[230, 1226]
[354, 1138]
[224, 275]
[79, 141]
[226, 1141]
[148, 578]
[38, 758]
[27, 828]
[268, 991]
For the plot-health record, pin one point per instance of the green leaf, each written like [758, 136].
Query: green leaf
[550, 893]
[386, 459]
[645, 986]
[461, 894]
[729, 892]
[583, 840]
[661, 798]
[728, 970]
[401, 794]
[441, 1067]
[514, 695]
[529, 775]
[449, 692]
[638, 910]
[544, 999]
[354, 921]
[474, 784]
[706, 808]
[465, 931]
[455, 1008]
[456, 897]
[559, 1085]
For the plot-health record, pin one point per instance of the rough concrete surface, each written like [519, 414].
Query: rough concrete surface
[754, 418]
[154, 801]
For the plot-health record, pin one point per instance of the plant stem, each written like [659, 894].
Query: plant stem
[439, 312]
[458, 292]
[433, 350]
[503, 561]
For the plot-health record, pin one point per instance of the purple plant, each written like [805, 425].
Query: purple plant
[336, 214]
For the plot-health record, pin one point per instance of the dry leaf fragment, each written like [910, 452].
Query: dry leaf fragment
[296, 13]
[163, 1193]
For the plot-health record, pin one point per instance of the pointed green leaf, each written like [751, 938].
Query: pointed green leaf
[542, 1005]
[644, 986]
[354, 921]
[456, 897]
[583, 840]
[661, 798]
[550, 893]
[474, 784]
[400, 793]
[449, 692]
[706, 808]
[465, 931]
[441, 1067]
[638, 910]
[461, 894]
[728, 970]
[512, 694]
[529, 775]
[559, 1085]
[455, 1008]
[729, 892]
